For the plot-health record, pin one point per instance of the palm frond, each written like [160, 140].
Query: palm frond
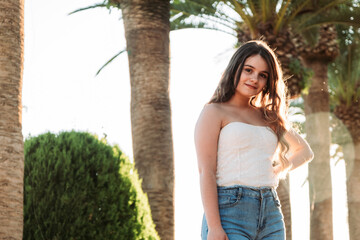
[344, 73]
[240, 9]
[333, 12]
[263, 10]
[295, 8]
[199, 8]
[194, 7]
[207, 19]
[183, 14]
[281, 14]
[228, 12]
[174, 25]
[255, 7]
[98, 5]
[269, 9]
[343, 17]
[108, 62]
[207, 22]
[200, 14]
[105, 4]
[252, 6]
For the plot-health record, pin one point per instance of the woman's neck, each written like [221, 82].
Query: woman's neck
[242, 102]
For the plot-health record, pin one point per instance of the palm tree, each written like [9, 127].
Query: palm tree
[11, 140]
[147, 29]
[316, 55]
[147, 40]
[317, 127]
[344, 76]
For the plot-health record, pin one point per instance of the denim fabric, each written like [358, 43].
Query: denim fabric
[249, 213]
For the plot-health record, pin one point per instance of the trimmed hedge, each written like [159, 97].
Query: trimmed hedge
[79, 187]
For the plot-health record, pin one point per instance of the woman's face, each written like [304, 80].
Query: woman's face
[254, 76]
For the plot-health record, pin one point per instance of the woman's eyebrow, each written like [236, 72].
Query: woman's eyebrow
[247, 65]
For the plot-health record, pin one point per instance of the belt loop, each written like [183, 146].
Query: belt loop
[239, 193]
[273, 191]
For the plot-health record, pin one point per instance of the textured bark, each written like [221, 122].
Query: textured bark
[318, 136]
[353, 194]
[317, 112]
[326, 49]
[11, 140]
[350, 117]
[352, 159]
[147, 35]
[283, 191]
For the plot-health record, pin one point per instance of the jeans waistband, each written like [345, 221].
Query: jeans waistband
[257, 192]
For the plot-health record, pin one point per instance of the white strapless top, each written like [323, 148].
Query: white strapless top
[245, 155]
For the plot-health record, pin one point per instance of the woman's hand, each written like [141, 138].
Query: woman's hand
[217, 234]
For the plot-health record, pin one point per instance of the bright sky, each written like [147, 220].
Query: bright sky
[61, 92]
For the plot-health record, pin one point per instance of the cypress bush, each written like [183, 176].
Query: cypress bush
[78, 187]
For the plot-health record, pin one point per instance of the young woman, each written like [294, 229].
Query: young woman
[243, 145]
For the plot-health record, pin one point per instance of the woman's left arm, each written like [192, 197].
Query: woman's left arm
[299, 148]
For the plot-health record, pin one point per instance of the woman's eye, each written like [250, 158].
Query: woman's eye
[263, 75]
[247, 70]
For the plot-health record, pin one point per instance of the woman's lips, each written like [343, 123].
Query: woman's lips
[252, 87]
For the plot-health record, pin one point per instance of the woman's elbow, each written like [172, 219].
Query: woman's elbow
[310, 155]
[207, 173]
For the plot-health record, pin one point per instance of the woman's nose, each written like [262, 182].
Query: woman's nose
[254, 77]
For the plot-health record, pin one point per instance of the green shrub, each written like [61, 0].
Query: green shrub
[78, 187]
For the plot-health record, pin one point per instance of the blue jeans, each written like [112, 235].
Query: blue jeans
[249, 213]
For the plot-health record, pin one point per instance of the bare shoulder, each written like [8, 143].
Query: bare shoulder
[213, 111]
[206, 136]
[213, 107]
[211, 115]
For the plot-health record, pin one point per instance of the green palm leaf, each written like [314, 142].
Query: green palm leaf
[344, 73]
[342, 15]
[201, 14]
[89, 7]
[109, 61]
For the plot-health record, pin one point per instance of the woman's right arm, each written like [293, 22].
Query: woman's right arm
[207, 132]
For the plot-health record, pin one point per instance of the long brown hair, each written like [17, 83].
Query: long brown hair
[271, 100]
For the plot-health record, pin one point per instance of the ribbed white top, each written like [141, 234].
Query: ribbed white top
[245, 155]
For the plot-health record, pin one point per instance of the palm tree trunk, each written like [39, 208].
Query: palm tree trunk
[147, 35]
[318, 136]
[11, 140]
[353, 187]
[349, 115]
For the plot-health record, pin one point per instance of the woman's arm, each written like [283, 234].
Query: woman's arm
[206, 139]
[299, 148]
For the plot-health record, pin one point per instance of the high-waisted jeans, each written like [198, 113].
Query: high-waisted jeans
[249, 213]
